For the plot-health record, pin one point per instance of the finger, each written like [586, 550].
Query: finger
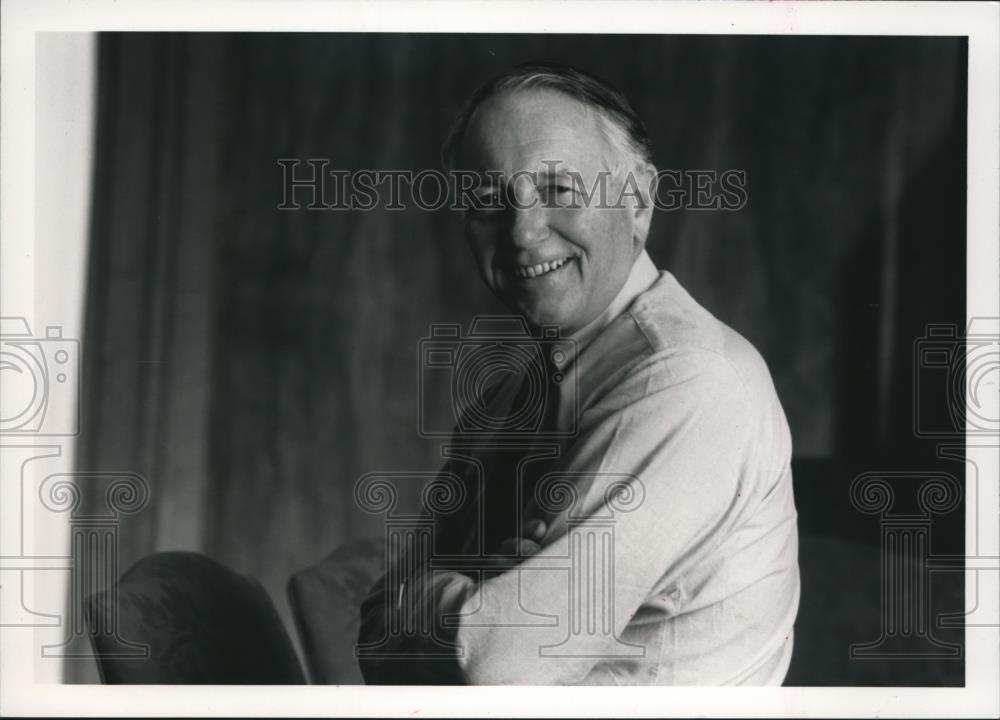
[521, 547]
[493, 565]
[509, 546]
[513, 551]
[527, 548]
[535, 529]
[497, 562]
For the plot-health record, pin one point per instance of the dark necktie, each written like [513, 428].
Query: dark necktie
[502, 505]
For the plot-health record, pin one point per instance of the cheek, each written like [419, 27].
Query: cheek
[603, 236]
[483, 248]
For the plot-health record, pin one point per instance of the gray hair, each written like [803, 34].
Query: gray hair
[622, 125]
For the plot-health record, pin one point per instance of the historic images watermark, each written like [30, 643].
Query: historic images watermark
[91, 560]
[956, 403]
[512, 407]
[312, 184]
[956, 376]
[41, 376]
[586, 592]
[468, 366]
[907, 625]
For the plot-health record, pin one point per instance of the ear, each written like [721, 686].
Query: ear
[642, 212]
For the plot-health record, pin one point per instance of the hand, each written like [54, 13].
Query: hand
[515, 549]
[526, 545]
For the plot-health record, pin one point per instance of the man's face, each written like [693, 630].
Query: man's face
[536, 139]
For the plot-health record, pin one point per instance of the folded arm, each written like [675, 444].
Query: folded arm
[675, 433]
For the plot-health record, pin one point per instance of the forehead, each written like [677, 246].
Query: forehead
[521, 129]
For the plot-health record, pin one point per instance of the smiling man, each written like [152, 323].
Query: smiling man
[675, 560]
[554, 258]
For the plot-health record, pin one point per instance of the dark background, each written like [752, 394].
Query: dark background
[253, 363]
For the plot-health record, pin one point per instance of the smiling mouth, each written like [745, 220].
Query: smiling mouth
[529, 272]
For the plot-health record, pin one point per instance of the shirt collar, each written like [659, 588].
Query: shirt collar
[640, 278]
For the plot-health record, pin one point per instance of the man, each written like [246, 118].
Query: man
[696, 582]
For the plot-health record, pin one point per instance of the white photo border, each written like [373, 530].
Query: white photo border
[22, 694]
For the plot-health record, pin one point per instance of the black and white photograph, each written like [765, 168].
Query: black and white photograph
[390, 347]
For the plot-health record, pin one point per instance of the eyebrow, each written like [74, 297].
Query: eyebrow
[564, 171]
[547, 173]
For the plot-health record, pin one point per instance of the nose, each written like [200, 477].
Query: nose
[529, 225]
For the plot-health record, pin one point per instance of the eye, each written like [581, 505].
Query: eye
[493, 198]
[488, 202]
[557, 194]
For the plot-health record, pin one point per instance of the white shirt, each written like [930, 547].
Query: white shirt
[697, 581]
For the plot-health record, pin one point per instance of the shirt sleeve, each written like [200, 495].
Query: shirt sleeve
[674, 438]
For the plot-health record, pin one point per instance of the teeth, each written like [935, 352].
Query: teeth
[533, 271]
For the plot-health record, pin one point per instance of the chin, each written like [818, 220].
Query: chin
[543, 317]
[538, 311]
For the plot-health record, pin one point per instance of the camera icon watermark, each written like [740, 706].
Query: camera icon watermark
[40, 381]
[957, 381]
[503, 383]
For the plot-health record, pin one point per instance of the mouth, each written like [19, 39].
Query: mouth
[531, 272]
